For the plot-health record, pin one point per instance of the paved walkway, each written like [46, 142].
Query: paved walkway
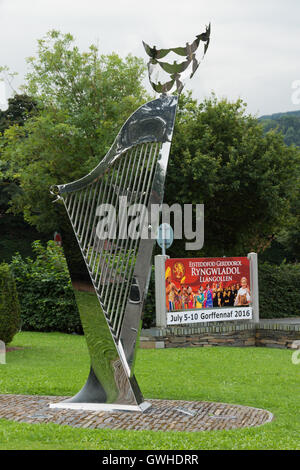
[163, 415]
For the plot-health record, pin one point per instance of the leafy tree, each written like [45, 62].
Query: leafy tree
[9, 305]
[220, 155]
[246, 179]
[14, 230]
[83, 99]
[286, 123]
[286, 245]
[289, 237]
[20, 108]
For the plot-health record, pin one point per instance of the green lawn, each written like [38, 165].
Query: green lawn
[58, 364]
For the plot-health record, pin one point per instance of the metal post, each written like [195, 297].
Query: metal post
[160, 291]
[254, 285]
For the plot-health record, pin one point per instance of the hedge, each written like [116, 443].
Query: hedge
[279, 293]
[9, 305]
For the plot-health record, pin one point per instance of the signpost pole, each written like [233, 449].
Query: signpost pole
[160, 291]
[163, 252]
[254, 286]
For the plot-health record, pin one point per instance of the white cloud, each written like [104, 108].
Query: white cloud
[254, 52]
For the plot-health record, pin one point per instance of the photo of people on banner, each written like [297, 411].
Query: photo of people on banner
[201, 283]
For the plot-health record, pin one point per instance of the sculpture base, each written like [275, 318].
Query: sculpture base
[163, 415]
[100, 406]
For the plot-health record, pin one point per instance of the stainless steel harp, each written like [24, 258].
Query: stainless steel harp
[118, 267]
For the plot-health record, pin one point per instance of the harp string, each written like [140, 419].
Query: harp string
[70, 202]
[119, 257]
[88, 231]
[84, 228]
[83, 209]
[108, 245]
[92, 241]
[121, 190]
[79, 197]
[111, 262]
[98, 242]
[74, 205]
[133, 246]
[129, 250]
[127, 187]
[154, 152]
[126, 253]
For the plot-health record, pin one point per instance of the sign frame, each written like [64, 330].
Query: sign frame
[160, 293]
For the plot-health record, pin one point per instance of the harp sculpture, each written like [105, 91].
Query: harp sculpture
[119, 268]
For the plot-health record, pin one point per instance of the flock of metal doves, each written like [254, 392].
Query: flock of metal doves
[176, 70]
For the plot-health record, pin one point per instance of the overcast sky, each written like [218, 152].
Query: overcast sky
[254, 50]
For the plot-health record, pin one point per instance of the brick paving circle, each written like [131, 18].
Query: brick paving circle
[163, 415]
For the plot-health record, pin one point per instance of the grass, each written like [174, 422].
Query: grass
[58, 364]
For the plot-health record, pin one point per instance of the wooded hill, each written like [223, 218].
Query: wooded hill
[288, 123]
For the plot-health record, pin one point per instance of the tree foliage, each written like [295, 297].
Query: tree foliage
[10, 320]
[287, 244]
[221, 157]
[286, 123]
[16, 234]
[83, 99]
[20, 108]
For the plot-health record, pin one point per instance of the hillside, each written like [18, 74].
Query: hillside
[288, 123]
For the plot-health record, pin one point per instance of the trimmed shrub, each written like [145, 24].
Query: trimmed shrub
[9, 305]
[279, 293]
[45, 291]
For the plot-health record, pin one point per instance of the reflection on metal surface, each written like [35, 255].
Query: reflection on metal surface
[178, 71]
[118, 269]
[151, 123]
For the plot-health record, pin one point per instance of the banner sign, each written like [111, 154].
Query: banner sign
[207, 289]
[209, 315]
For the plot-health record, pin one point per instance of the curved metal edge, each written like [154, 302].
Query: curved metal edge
[105, 354]
[132, 323]
[152, 122]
